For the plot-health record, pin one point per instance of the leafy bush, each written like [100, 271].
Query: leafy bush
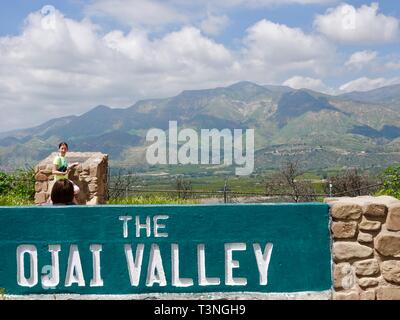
[391, 182]
[5, 183]
[17, 188]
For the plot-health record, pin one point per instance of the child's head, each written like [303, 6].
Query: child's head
[63, 148]
[62, 192]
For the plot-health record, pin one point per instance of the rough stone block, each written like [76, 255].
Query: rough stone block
[388, 244]
[93, 187]
[367, 267]
[343, 276]
[375, 210]
[344, 230]
[41, 198]
[94, 201]
[349, 250]
[41, 177]
[388, 293]
[94, 171]
[391, 271]
[364, 237]
[346, 295]
[368, 295]
[38, 186]
[346, 211]
[368, 282]
[368, 225]
[393, 218]
[45, 186]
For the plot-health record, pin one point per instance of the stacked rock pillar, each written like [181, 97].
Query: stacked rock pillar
[90, 176]
[366, 248]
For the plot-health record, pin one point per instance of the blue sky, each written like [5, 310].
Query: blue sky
[115, 52]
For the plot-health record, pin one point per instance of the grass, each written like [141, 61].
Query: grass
[14, 201]
[152, 199]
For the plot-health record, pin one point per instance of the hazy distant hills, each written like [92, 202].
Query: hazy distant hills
[353, 129]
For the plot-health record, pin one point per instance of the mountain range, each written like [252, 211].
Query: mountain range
[354, 129]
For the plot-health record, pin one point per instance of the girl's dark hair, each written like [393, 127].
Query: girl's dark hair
[63, 144]
[62, 192]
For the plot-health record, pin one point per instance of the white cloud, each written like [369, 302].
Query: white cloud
[360, 59]
[68, 69]
[366, 84]
[214, 24]
[365, 25]
[49, 73]
[149, 13]
[276, 48]
[299, 82]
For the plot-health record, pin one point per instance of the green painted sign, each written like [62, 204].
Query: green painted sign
[165, 249]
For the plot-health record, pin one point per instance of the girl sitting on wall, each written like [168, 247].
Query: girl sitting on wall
[61, 168]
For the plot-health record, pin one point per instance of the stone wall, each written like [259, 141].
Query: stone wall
[365, 248]
[90, 176]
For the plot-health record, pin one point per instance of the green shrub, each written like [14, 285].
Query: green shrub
[391, 182]
[19, 184]
[24, 183]
[5, 183]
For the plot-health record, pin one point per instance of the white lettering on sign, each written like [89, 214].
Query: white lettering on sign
[203, 280]
[176, 280]
[155, 268]
[134, 266]
[97, 281]
[263, 261]
[53, 278]
[159, 226]
[231, 264]
[146, 225]
[155, 273]
[125, 219]
[28, 275]
[74, 270]
[33, 278]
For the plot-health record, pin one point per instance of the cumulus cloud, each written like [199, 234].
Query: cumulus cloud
[68, 69]
[214, 24]
[366, 84]
[360, 59]
[299, 82]
[69, 66]
[272, 47]
[365, 25]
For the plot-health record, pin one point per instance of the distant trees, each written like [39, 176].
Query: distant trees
[286, 182]
[121, 183]
[183, 187]
[351, 183]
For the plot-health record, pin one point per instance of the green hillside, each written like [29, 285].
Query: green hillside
[356, 129]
